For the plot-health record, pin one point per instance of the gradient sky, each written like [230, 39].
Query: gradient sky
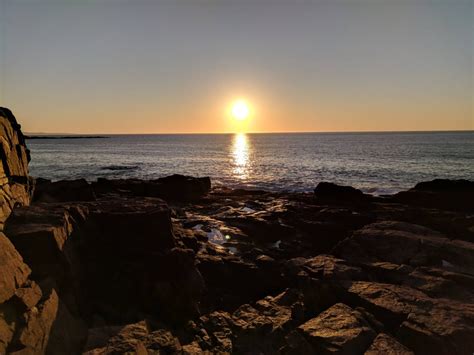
[118, 66]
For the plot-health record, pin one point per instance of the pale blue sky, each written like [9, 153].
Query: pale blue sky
[137, 66]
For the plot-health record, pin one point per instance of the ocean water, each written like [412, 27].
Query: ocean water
[374, 162]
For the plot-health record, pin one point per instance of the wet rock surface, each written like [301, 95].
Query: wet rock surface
[175, 266]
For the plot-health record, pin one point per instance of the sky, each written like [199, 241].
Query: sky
[134, 66]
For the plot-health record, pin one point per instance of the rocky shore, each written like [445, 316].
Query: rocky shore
[173, 265]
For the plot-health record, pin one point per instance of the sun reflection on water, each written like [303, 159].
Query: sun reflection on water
[241, 156]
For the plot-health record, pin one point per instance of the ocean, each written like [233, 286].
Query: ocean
[378, 163]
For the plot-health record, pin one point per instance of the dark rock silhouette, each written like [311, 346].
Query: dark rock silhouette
[175, 187]
[63, 191]
[329, 192]
[456, 195]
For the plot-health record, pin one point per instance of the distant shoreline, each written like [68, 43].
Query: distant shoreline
[110, 135]
[66, 137]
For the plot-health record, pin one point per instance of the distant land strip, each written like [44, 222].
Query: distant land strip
[66, 137]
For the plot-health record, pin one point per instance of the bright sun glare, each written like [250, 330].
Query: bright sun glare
[240, 110]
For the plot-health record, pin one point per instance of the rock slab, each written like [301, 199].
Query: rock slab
[15, 185]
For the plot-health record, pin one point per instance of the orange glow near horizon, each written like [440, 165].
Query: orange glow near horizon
[153, 67]
[267, 112]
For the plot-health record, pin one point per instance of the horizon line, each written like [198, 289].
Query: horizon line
[217, 133]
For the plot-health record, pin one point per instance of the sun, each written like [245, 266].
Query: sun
[240, 110]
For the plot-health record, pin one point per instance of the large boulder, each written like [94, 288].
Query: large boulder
[339, 194]
[13, 271]
[15, 184]
[338, 330]
[128, 223]
[109, 253]
[106, 255]
[405, 243]
[115, 226]
[63, 191]
[182, 187]
[174, 187]
[125, 252]
[443, 194]
[41, 233]
[423, 324]
[171, 188]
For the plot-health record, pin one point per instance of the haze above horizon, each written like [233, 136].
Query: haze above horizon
[142, 67]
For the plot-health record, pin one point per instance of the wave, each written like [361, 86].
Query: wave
[121, 167]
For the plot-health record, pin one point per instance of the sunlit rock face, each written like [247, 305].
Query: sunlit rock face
[27, 311]
[15, 184]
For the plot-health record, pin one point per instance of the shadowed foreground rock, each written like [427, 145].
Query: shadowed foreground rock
[454, 195]
[26, 313]
[171, 266]
[242, 273]
[327, 191]
[175, 187]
